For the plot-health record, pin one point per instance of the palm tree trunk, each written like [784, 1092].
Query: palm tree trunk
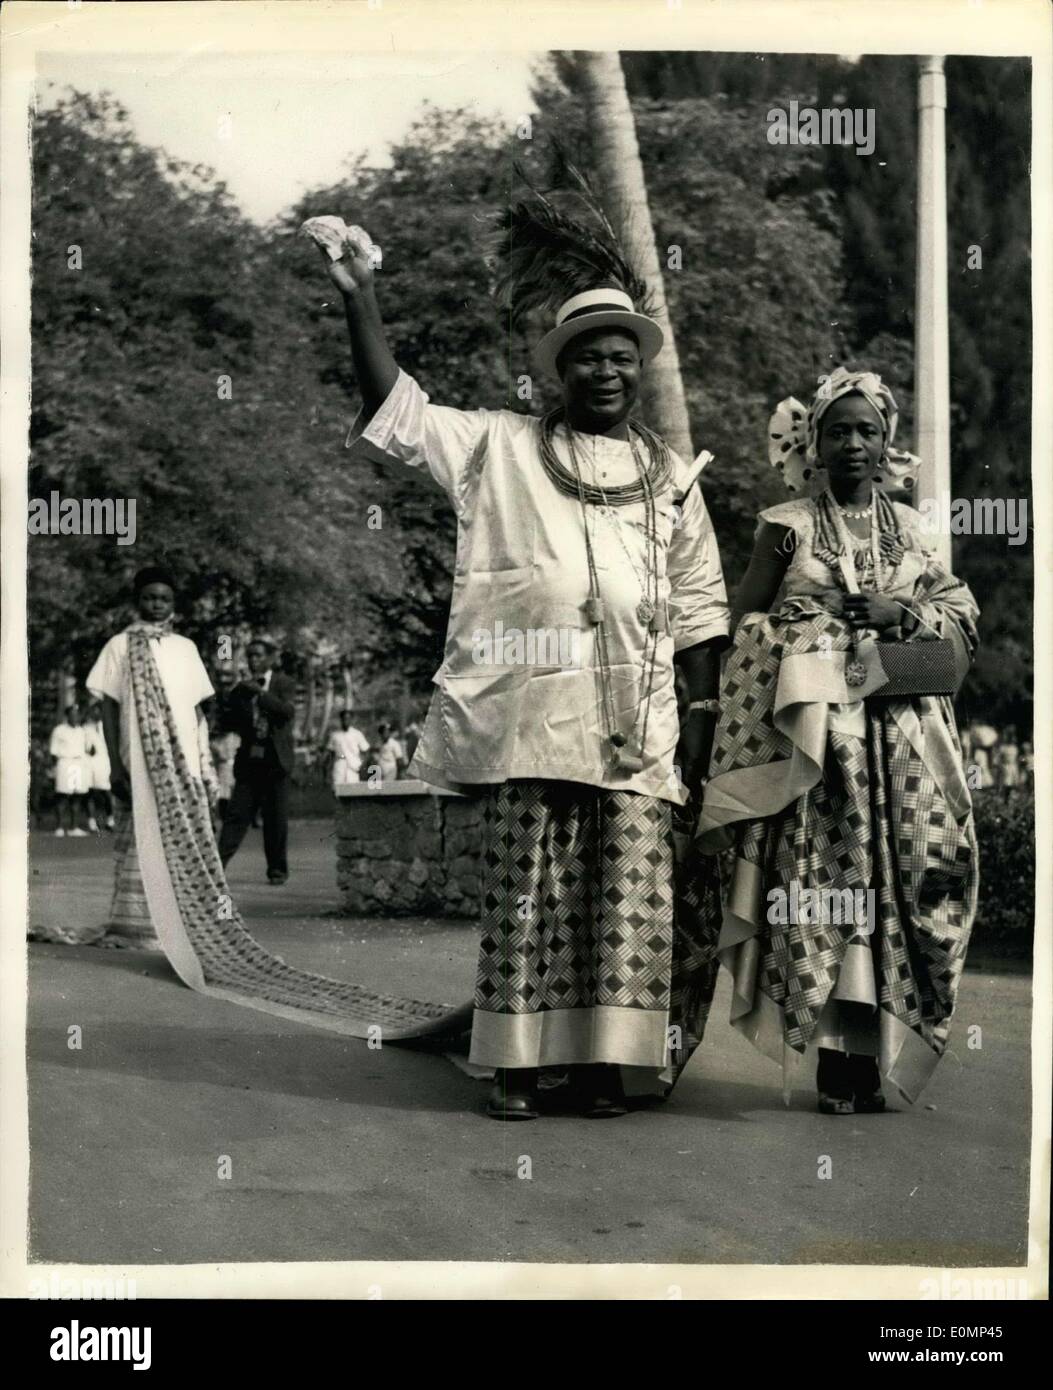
[619, 174]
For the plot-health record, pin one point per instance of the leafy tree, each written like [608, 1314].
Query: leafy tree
[790, 261]
[988, 207]
[757, 274]
[174, 292]
[870, 204]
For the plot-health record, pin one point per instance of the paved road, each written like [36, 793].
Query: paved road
[341, 1153]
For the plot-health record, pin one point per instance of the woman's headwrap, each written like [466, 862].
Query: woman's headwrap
[793, 433]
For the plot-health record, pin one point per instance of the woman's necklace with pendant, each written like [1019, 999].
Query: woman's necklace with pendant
[855, 669]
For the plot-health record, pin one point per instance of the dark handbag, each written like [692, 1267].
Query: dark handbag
[935, 666]
[918, 668]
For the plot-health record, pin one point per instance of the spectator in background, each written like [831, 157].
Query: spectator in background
[982, 739]
[69, 748]
[391, 756]
[1007, 763]
[411, 740]
[346, 749]
[224, 743]
[100, 800]
[41, 787]
[261, 712]
[965, 738]
[1027, 761]
[225, 678]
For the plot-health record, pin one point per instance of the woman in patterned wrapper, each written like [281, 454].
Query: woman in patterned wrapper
[848, 817]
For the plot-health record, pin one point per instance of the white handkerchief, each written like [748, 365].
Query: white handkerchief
[330, 233]
[334, 236]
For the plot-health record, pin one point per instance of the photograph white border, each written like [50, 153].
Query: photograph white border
[291, 31]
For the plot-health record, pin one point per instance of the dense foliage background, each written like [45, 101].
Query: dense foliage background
[793, 260]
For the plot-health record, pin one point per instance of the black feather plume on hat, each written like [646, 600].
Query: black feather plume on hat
[541, 256]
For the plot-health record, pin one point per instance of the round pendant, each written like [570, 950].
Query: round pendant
[618, 739]
[855, 673]
[645, 609]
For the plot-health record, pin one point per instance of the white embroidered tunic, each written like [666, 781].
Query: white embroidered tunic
[519, 691]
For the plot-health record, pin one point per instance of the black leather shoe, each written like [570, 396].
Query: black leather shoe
[275, 879]
[866, 1083]
[601, 1091]
[513, 1095]
[834, 1083]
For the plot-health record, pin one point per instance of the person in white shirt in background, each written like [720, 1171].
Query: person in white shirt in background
[391, 756]
[346, 749]
[69, 747]
[100, 800]
[1007, 763]
[983, 739]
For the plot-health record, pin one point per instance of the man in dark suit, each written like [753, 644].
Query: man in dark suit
[261, 712]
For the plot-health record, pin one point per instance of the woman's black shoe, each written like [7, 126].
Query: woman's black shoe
[600, 1085]
[866, 1084]
[513, 1095]
[833, 1081]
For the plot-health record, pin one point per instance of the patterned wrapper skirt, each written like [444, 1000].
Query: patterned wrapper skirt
[580, 958]
[866, 797]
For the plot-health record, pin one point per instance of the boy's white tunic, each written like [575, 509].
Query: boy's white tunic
[521, 568]
[183, 676]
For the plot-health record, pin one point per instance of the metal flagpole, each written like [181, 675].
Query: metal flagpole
[931, 365]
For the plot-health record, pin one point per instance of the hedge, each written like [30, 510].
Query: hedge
[1006, 913]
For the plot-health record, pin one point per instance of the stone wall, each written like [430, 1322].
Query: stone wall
[407, 850]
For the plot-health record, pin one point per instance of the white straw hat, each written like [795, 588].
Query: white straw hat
[606, 307]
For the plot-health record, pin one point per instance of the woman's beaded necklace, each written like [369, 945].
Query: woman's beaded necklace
[885, 548]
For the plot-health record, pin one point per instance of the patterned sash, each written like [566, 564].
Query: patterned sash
[198, 924]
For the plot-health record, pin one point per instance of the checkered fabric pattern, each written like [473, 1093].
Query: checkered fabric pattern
[928, 872]
[695, 962]
[233, 962]
[746, 736]
[130, 919]
[877, 819]
[577, 899]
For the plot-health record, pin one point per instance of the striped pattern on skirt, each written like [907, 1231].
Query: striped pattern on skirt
[129, 912]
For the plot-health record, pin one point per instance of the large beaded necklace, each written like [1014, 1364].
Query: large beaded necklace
[626, 750]
[659, 474]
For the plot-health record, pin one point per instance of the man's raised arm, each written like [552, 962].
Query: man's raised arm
[397, 422]
[375, 368]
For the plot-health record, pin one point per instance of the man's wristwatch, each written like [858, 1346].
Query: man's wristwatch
[708, 706]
